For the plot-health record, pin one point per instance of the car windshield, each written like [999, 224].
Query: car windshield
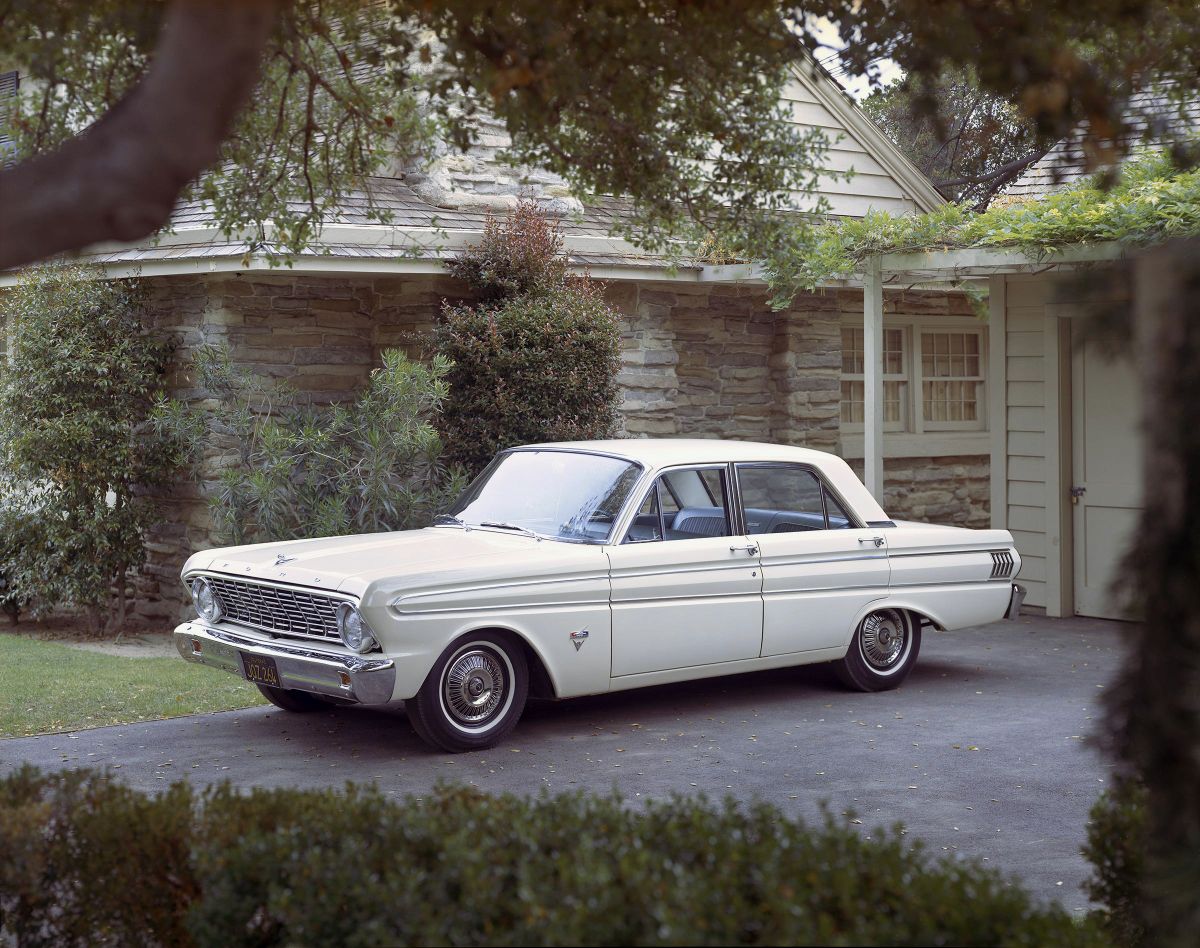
[563, 495]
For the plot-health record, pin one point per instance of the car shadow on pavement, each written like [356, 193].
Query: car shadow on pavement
[367, 732]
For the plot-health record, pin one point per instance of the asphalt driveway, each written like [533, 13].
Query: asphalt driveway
[984, 752]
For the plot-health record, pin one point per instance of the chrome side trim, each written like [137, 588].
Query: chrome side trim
[441, 592]
[366, 680]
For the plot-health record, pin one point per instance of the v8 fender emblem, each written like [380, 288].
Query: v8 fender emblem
[578, 638]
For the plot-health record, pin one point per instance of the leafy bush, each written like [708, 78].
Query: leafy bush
[294, 470]
[88, 861]
[1116, 848]
[75, 405]
[537, 359]
[18, 533]
[516, 256]
[361, 868]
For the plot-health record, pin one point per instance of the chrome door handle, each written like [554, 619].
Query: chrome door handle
[877, 541]
[750, 548]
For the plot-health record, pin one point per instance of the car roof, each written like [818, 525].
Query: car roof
[657, 453]
[662, 452]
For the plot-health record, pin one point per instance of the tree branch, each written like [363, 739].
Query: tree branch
[120, 178]
[1004, 172]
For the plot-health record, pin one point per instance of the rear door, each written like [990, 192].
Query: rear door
[820, 569]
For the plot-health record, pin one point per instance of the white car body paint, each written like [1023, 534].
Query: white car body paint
[654, 612]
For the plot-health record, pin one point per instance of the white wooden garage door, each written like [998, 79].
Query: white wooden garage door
[1106, 457]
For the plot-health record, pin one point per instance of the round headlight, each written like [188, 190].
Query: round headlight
[206, 600]
[353, 629]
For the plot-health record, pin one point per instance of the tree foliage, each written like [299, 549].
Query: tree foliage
[1153, 713]
[1068, 67]
[78, 453]
[675, 105]
[537, 358]
[969, 142]
[291, 470]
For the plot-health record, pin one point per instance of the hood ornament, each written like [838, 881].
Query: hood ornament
[283, 558]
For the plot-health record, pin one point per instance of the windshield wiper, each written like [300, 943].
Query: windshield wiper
[449, 519]
[509, 526]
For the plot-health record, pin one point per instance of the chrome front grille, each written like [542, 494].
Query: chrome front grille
[278, 609]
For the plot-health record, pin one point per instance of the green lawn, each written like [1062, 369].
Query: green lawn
[48, 687]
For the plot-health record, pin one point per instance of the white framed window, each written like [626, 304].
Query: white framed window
[933, 376]
[895, 378]
[952, 379]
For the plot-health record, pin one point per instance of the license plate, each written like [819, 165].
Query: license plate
[260, 670]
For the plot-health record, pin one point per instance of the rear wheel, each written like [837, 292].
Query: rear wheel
[474, 694]
[298, 702]
[884, 650]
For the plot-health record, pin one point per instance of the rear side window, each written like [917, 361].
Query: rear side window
[782, 498]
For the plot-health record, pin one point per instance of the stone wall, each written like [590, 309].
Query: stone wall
[321, 336]
[697, 360]
[715, 361]
[951, 490]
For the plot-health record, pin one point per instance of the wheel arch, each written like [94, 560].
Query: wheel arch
[921, 616]
[541, 681]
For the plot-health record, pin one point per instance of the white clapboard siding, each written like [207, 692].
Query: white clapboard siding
[882, 180]
[1036, 444]
[1025, 373]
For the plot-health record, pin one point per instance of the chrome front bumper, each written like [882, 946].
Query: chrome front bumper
[1015, 601]
[349, 677]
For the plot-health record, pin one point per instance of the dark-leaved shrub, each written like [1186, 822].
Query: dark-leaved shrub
[356, 867]
[537, 359]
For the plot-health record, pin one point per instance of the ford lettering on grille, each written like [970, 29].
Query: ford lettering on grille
[278, 609]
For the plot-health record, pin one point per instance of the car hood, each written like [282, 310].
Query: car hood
[405, 560]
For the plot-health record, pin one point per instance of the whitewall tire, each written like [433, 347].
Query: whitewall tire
[883, 651]
[474, 695]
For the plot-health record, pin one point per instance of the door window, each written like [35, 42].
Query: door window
[684, 504]
[781, 498]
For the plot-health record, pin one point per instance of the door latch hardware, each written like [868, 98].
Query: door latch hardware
[1076, 493]
[750, 548]
[877, 541]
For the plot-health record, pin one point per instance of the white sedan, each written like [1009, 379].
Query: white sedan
[583, 567]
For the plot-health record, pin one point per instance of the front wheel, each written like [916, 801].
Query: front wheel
[884, 650]
[474, 694]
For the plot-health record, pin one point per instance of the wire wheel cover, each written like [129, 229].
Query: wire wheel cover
[883, 639]
[474, 686]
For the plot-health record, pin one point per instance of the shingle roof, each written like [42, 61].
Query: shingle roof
[405, 209]
[1065, 164]
[417, 230]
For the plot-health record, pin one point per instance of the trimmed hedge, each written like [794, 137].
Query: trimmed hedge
[1116, 848]
[90, 861]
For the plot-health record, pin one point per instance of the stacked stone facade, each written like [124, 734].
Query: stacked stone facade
[708, 360]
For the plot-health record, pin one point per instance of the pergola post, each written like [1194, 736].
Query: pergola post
[873, 376]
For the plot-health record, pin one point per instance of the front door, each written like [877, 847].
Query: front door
[820, 569]
[1107, 482]
[684, 591]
